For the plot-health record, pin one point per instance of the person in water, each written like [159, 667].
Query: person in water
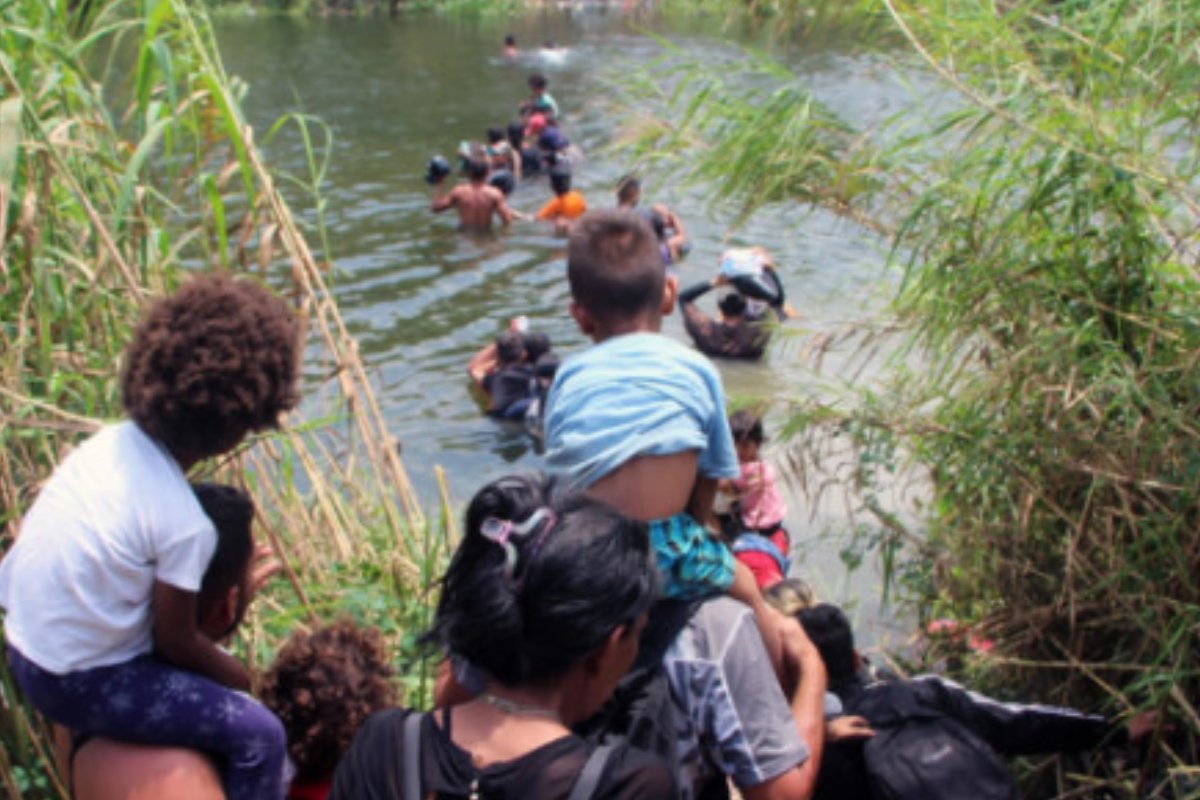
[567, 205]
[734, 333]
[540, 101]
[323, 685]
[475, 201]
[105, 769]
[638, 420]
[672, 236]
[511, 50]
[524, 602]
[530, 158]
[119, 654]
[502, 158]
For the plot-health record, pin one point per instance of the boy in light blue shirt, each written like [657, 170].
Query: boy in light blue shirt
[638, 420]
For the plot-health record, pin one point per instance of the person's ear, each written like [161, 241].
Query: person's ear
[606, 655]
[670, 291]
[587, 325]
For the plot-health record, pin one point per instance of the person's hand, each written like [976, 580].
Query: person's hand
[720, 280]
[263, 567]
[844, 729]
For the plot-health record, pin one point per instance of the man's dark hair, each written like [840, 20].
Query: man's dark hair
[510, 41]
[627, 187]
[746, 426]
[732, 305]
[231, 511]
[528, 611]
[477, 169]
[613, 265]
[209, 364]
[495, 135]
[537, 81]
[536, 345]
[560, 179]
[510, 348]
[830, 632]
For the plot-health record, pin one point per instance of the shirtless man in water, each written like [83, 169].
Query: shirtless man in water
[475, 201]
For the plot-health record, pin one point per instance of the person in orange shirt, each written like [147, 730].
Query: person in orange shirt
[567, 204]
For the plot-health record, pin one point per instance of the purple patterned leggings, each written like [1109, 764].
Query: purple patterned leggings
[147, 700]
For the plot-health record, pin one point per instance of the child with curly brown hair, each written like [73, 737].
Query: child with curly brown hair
[323, 685]
[101, 586]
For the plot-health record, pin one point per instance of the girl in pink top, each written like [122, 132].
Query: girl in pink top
[760, 508]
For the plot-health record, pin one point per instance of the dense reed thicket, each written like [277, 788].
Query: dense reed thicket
[125, 163]
[1044, 215]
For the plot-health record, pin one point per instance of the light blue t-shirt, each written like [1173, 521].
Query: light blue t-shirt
[640, 394]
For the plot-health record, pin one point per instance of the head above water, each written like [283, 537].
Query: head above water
[618, 282]
[510, 41]
[529, 609]
[629, 191]
[732, 305]
[537, 83]
[209, 364]
[477, 170]
[495, 135]
[510, 348]
[560, 179]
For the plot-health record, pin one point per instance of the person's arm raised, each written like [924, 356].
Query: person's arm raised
[442, 200]
[178, 640]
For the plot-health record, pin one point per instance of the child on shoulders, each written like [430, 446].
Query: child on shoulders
[760, 540]
[639, 419]
[101, 586]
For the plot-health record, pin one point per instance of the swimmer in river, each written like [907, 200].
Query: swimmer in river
[510, 47]
[475, 201]
[672, 236]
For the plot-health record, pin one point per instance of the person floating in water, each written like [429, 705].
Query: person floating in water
[568, 204]
[668, 227]
[475, 201]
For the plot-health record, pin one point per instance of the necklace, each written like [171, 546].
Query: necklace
[512, 707]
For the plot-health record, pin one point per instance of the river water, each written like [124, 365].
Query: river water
[421, 297]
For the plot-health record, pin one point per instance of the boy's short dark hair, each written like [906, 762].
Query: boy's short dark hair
[510, 40]
[537, 81]
[613, 265]
[746, 426]
[560, 179]
[830, 632]
[495, 135]
[477, 169]
[536, 345]
[627, 187]
[211, 363]
[231, 512]
[732, 305]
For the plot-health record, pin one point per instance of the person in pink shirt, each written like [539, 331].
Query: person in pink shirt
[761, 542]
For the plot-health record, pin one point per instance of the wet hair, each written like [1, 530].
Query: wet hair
[537, 81]
[528, 617]
[746, 426]
[790, 596]
[613, 265]
[536, 345]
[627, 188]
[516, 133]
[510, 348]
[232, 512]
[477, 168]
[546, 365]
[732, 305]
[211, 363]
[510, 41]
[830, 632]
[322, 686]
[495, 135]
[560, 179]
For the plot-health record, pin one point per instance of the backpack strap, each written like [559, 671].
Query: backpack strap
[412, 756]
[589, 776]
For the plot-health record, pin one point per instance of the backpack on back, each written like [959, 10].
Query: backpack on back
[921, 754]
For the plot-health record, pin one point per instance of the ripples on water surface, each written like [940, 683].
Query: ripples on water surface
[421, 297]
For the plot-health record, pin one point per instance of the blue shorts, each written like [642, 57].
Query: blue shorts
[693, 563]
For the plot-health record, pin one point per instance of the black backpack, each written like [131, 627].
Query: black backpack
[641, 711]
[918, 753]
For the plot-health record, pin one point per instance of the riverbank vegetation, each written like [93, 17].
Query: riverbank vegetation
[125, 162]
[1039, 200]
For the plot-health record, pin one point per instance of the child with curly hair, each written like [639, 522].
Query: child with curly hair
[323, 685]
[101, 586]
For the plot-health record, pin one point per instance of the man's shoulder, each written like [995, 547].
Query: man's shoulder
[707, 635]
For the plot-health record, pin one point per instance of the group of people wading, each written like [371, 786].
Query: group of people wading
[599, 638]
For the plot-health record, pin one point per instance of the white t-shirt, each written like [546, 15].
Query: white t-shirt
[116, 516]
